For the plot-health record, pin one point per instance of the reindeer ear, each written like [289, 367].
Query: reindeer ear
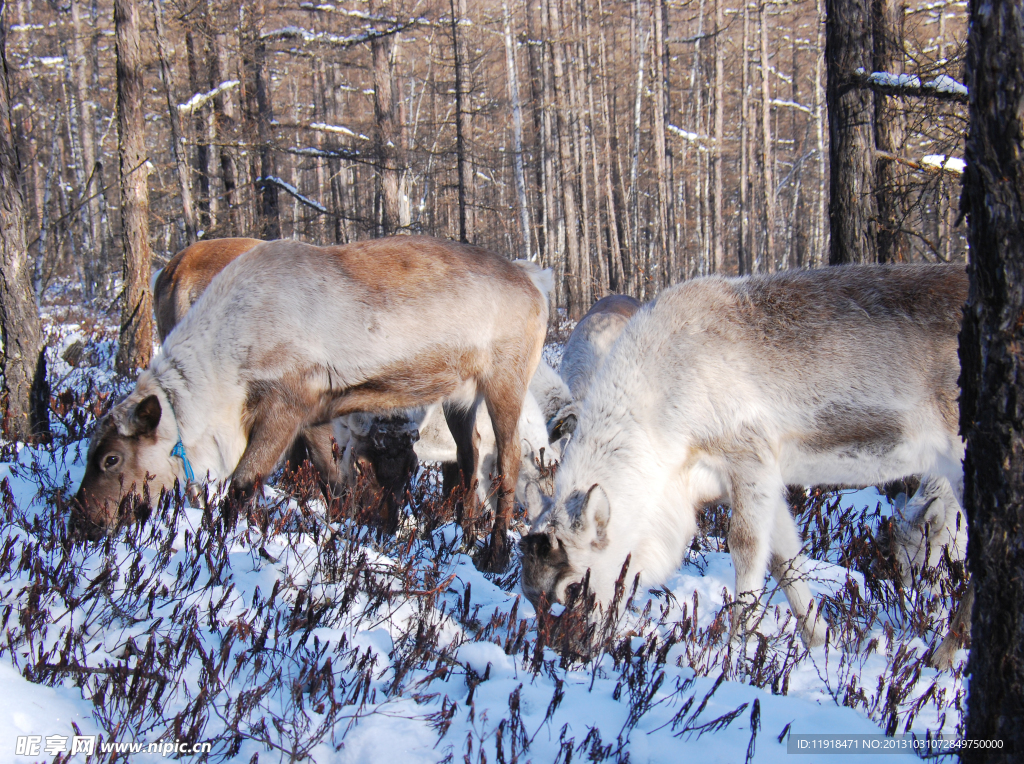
[933, 516]
[597, 508]
[146, 416]
[562, 427]
[534, 501]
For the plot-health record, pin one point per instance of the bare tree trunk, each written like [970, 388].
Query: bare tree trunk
[667, 255]
[517, 133]
[618, 278]
[766, 137]
[93, 260]
[821, 238]
[577, 292]
[201, 161]
[260, 115]
[602, 280]
[890, 133]
[388, 129]
[992, 377]
[187, 209]
[718, 217]
[136, 341]
[223, 123]
[852, 209]
[22, 357]
[639, 283]
[461, 121]
[746, 250]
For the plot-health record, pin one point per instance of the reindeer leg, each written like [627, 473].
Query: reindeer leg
[504, 404]
[959, 632]
[789, 568]
[275, 424]
[757, 492]
[319, 442]
[462, 423]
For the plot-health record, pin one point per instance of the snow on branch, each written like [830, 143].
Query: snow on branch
[792, 105]
[289, 188]
[691, 137]
[930, 163]
[325, 128]
[942, 87]
[350, 155]
[339, 41]
[199, 99]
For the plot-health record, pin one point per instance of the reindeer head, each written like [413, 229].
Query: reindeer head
[568, 539]
[129, 453]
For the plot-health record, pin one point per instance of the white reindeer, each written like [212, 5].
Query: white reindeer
[930, 525]
[730, 389]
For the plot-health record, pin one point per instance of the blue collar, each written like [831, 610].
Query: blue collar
[179, 451]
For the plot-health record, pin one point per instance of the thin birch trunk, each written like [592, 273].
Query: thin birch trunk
[718, 223]
[745, 254]
[575, 288]
[23, 356]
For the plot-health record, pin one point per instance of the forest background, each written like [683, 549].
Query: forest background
[628, 144]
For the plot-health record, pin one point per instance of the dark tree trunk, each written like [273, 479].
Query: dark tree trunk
[388, 133]
[852, 210]
[992, 378]
[22, 363]
[259, 116]
[890, 133]
[136, 341]
[461, 120]
[201, 160]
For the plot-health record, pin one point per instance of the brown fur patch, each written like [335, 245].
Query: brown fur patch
[187, 275]
[839, 427]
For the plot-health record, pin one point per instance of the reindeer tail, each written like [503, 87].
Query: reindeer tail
[542, 278]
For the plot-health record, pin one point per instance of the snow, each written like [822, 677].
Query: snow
[199, 99]
[312, 636]
[943, 162]
[293, 191]
[895, 80]
[946, 84]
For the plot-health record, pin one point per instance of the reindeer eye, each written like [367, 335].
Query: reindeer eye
[111, 461]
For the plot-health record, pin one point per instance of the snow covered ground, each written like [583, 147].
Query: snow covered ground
[291, 636]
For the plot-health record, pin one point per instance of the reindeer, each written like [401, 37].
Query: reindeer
[289, 335]
[930, 526]
[727, 390]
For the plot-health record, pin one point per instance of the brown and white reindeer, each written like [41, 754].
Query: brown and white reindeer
[585, 351]
[383, 449]
[290, 335]
[727, 390]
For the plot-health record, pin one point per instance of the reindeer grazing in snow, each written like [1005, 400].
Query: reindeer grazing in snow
[586, 349]
[289, 335]
[933, 526]
[378, 447]
[727, 390]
